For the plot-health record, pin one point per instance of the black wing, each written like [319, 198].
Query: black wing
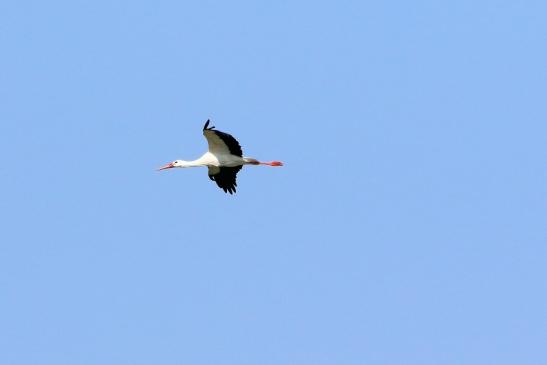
[225, 177]
[220, 142]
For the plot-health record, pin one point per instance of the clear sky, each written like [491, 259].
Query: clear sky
[407, 227]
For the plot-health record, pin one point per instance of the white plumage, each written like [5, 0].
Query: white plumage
[224, 159]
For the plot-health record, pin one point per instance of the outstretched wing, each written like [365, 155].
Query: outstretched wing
[225, 177]
[221, 143]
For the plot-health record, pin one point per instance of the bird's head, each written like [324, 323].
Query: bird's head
[176, 163]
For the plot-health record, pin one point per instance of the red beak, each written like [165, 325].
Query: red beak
[168, 166]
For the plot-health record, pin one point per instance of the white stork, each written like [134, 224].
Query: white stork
[224, 159]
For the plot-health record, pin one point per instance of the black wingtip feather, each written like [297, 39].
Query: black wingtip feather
[225, 178]
[206, 126]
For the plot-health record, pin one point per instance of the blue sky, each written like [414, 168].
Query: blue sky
[407, 227]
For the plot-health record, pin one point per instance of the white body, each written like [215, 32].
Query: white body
[218, 160]
[224, 159]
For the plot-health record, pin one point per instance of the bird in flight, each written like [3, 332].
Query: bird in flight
[224, 159]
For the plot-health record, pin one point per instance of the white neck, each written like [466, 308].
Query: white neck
[195, 163]
[205, 160]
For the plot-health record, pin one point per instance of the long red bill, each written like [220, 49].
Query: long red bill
[168, 166]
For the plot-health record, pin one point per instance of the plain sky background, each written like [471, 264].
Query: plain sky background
[407, 227]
